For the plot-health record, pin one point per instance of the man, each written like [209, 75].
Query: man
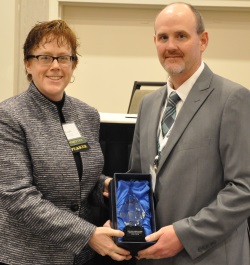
[200, 168]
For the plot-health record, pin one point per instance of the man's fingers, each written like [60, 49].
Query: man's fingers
[105, 194]
[153, 237]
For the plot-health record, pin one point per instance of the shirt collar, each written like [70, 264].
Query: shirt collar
[185, 88]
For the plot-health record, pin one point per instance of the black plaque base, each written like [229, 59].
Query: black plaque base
[134, 234]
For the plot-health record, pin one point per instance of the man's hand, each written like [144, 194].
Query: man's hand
[101, 241]
[167, 245]
[106, 186]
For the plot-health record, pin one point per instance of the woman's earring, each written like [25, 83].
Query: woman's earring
[72, 81]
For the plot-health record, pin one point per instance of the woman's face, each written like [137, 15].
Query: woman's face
[52, 79]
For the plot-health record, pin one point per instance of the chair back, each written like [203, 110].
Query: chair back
[138, 93]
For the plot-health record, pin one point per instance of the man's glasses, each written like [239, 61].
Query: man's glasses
[48, 60]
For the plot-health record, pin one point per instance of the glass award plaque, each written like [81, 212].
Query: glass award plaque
[132, 215]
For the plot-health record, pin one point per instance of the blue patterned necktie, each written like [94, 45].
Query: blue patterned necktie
[170, 113]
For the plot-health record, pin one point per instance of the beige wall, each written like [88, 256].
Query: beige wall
[117, 47]
[7, 48]
[30, 13]
[228, 52]
[16, 19]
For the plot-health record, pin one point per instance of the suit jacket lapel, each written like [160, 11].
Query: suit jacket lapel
[197, 96]
[158, 103]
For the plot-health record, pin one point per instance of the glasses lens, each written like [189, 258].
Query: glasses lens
[66, 59]
[45, 59]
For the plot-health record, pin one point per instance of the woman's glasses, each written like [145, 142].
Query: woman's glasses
[48, 60]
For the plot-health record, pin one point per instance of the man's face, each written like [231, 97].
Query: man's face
[178, 45]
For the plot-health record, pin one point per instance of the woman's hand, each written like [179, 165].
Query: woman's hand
[102, 242]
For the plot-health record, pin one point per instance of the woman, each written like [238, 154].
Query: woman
[51, 162]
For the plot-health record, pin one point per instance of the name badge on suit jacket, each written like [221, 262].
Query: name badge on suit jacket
[77, 142]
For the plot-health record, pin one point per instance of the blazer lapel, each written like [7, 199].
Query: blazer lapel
[197, 96]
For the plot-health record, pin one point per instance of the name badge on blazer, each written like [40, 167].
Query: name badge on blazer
[77, 142]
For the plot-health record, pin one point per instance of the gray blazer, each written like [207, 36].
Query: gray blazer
[203, 179]
[45, 213]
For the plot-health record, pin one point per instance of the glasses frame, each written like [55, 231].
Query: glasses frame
[72, 58]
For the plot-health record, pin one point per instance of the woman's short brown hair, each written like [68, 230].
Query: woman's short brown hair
[45, 32]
